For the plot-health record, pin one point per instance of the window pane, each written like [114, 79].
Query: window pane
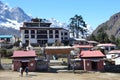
[50, 36]
[26, 31]
[32, 31]
[26, 36]
[32, 36]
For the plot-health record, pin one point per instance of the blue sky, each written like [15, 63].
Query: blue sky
[94, 12]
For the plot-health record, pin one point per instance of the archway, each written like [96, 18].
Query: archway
[58, 56]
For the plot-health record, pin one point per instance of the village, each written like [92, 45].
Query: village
[45, 49]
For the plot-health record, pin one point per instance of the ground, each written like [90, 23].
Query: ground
[12, 75]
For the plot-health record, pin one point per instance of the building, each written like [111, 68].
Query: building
[78, 41]
[83, 47]
[40, 32]
[114, 56]
[23, 59]
[94, 43]
[92, 60]
[107, 46]
[8, 38]
[1, 42]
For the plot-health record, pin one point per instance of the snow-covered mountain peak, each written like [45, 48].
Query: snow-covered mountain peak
[11, 19]
[56, 23]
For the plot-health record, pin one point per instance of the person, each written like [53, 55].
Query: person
[21, 71]
[26, 70]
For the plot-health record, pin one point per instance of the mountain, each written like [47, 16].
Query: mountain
[11, 19]
[56, 23]
[111, 26]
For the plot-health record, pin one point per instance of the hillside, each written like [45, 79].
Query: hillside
[111, 27]
[11, 19]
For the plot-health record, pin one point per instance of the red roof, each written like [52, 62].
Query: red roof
[96, 53]
[29, 53]
[83, 46]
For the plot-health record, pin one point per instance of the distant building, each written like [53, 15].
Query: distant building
[79, 41]
[8, 38]
[107, 46]
[83, 47]
[114, 56]
[94, 43]
[40, 32]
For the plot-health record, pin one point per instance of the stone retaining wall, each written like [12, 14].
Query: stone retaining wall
[7, 66]
[112, 68]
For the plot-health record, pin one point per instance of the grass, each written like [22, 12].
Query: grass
[6, 61]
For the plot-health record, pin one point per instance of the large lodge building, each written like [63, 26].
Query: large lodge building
[40, 32]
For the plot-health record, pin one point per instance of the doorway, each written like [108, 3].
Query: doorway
[24, 65]
[94, 65]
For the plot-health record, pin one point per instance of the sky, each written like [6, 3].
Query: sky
[94, 12]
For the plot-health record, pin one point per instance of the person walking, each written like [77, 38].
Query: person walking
[26, 70]
[21, 71]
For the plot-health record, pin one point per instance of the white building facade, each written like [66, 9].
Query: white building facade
[41, 33]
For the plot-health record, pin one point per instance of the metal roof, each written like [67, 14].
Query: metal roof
[91, 54]
[21, 53]
[6, 36]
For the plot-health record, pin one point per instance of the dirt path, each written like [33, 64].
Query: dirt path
[10, 75]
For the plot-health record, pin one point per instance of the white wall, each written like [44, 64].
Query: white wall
[117, 61]
[33, 41]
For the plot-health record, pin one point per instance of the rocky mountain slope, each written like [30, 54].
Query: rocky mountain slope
[11, 19]
[111, 27]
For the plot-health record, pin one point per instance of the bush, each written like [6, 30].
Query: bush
[9, 53]
[6, 52]
[3, 52]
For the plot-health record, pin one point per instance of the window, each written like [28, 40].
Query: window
[41, 31]
[61, 38]
[41, 36]
[27, 42]
[32, 31]
[61, 33]
[2, 38]
[51, 32]
[66, 38]
[42, 42]
[26, 31]
[112, 48]
[56, 36]
[50, 36]
[32, 36]
[66, 33]
[56, 31]
[26, 36]
[8, 39]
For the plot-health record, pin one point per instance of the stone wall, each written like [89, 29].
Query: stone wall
[112, 68]
[7, 66]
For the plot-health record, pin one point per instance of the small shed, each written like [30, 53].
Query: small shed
[92, 60]
[24, 58]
